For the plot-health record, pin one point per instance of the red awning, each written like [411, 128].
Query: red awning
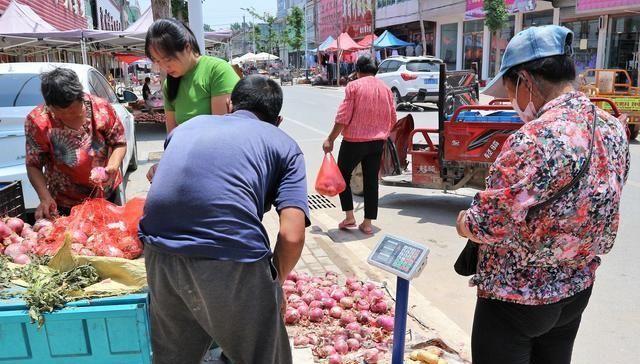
[344, 43]
[128, 58]
[367, 40]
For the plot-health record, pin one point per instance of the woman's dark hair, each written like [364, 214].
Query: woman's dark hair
[170, 37]
[554, 70]
[61, 87]
[260, 95]
[366, 65]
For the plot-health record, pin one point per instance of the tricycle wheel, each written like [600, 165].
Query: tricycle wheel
[634, 129]
[357, 182]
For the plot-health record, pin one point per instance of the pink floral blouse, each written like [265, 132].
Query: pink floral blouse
[68, 155]
[553, 254]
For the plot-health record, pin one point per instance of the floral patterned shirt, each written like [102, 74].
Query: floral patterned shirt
[68, 155]
[553, 254]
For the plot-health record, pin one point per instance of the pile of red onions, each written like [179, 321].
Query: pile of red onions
[17, 238]
[341, 322]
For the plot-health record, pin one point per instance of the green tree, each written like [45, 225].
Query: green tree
[271, 37]
[207, 28]
[496, 16]
[236, 27]
[161, 9]
[295, 31]
[180, 10]
[257, 38]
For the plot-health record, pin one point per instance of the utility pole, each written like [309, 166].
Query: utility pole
[244, 36]
[373, 27]
[196, 23]
[424, 38]
[306, 39]
[338, 13]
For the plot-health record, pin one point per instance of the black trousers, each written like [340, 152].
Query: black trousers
[370, 155]
[509, 333]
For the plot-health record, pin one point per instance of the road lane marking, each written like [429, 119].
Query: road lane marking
[300, 123]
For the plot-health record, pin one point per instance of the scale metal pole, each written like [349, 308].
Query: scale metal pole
[400, 328]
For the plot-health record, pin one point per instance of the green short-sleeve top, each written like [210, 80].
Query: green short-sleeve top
[210, 77]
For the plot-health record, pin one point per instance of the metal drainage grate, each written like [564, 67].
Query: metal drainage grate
[317, 202]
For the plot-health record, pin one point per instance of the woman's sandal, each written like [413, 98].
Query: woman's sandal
[367, 231]
[344, 225]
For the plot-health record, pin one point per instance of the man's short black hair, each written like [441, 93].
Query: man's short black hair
[366, 65]
[260, 95]
[61, 87]
[147, 79]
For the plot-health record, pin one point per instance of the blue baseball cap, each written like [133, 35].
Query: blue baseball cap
[528, 45]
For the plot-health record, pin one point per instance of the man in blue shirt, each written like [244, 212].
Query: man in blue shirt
[210, 269]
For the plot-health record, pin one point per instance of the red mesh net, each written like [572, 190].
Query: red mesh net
[98, 227]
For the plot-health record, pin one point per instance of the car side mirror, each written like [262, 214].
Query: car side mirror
[128, 96]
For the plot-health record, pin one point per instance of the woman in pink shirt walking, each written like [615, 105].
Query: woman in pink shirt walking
[364, 119]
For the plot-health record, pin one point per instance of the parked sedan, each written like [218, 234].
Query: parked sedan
[20, 93]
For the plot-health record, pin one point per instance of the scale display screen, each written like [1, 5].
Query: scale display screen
[399, 256]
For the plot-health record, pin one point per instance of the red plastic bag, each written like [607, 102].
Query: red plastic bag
[329, 181]
[98, 227]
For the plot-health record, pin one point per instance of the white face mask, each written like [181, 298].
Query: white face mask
[530, 112]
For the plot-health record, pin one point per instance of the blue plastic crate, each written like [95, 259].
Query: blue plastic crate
[107, 330]
[494, 117]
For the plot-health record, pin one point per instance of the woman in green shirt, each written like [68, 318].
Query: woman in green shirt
[195, 84]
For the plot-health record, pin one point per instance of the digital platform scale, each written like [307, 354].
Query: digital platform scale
[405, 259]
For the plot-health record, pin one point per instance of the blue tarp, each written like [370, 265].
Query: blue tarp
[388, 40]
[322, 47]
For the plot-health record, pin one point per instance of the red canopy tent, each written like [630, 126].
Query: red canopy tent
[128, 58]
[344, 43]
[367, 40]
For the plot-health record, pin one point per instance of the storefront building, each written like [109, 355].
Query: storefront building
[63, 15]
[337, 16]
[606, 32]
[401, 17]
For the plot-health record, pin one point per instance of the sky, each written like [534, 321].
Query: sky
[221, 13]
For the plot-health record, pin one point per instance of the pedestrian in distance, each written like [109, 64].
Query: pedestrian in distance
[210, 268]
[364, 119]
[550, 208]
[195, 84]
[146, 90]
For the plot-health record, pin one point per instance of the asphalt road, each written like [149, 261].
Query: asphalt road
[611, 323]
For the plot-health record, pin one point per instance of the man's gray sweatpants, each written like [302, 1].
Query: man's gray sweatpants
[195, 301]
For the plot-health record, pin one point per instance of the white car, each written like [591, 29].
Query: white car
[405, 76]
[20, 93]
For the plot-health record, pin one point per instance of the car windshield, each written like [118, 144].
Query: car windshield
[423, 66]
[20, 89]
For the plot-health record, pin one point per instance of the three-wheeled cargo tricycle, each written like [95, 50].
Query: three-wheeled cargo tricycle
[461, 150]
[616, 85]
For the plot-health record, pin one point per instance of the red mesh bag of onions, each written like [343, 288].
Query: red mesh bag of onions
[98, 227]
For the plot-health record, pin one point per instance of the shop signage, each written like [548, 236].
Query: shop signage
[596, 5]
[475, 8]
[351, 16]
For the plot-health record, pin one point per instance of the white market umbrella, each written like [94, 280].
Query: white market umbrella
[265, 57]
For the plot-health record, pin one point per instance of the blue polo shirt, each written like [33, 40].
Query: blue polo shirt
[217, 178]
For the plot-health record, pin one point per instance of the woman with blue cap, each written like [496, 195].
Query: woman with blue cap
[551, 207]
